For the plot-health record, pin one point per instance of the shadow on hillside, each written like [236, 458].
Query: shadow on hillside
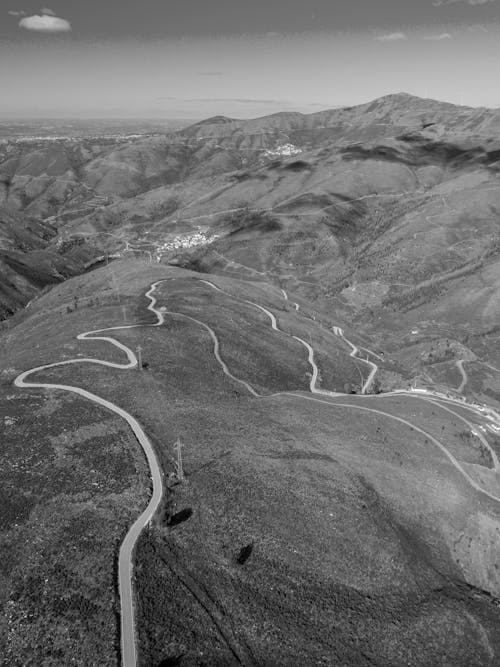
[420, 152]
[179, 517]
[171, 661]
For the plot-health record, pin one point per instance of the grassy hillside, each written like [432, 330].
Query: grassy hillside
[305, 531]
[31, 261]
[301, 258]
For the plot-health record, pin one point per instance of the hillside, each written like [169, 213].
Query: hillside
[309, 525]
[30, 261]
[387, 213]
[309, 304]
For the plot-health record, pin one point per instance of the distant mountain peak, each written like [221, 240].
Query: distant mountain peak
[214, 120]
[400, 96]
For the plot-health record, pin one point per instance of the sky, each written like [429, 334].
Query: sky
[241, 58]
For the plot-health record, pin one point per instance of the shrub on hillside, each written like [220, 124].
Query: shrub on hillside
[297, 165]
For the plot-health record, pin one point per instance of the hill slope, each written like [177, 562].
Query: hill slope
[29, 260]
[326, 292]
[310, 527]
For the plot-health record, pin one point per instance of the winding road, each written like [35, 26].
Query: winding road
[125, 560]
[460, 365]
[354, 354]
[314, 368]
[125, 564]
[430, 397]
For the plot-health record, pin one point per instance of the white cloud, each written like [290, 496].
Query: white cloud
[392, 37]
[15, 12]
[443, 35]
[438, 3]
[45, 24]
[48, 11]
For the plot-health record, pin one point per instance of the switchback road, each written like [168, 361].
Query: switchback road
[125, 566]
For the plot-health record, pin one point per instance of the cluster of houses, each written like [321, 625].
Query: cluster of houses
[184, 241]
[285, 150]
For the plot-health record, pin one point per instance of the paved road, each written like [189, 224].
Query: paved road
[460, 365]
[354, 353]
[437, 399]
[125, 565]
[314, 368]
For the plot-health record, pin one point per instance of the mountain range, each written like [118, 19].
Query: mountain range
[388, 210]
[300, 314]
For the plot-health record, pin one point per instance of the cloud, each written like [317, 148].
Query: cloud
[392, 37]
[45, 23]
[14, 12]
[48, 11]
[439, 3]
[443, 35]
[214, 73]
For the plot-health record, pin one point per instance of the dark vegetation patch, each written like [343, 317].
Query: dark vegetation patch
[244, 554]
[242, 176]
[360, 152]
[448, 153]
[171, 661]
[15, 506]
[39, 276]
[179, 517]
[249, 222]
[410, 137]
[297, 165]
[421, 152]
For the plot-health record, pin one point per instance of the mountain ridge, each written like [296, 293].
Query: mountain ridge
[301, 313]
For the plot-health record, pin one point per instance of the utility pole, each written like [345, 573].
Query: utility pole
[139, 354]
[178, 464]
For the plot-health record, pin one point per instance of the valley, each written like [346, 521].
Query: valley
[310, 305]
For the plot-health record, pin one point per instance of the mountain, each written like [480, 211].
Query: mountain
[30, 261]
[386, 211]
[301, 318]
